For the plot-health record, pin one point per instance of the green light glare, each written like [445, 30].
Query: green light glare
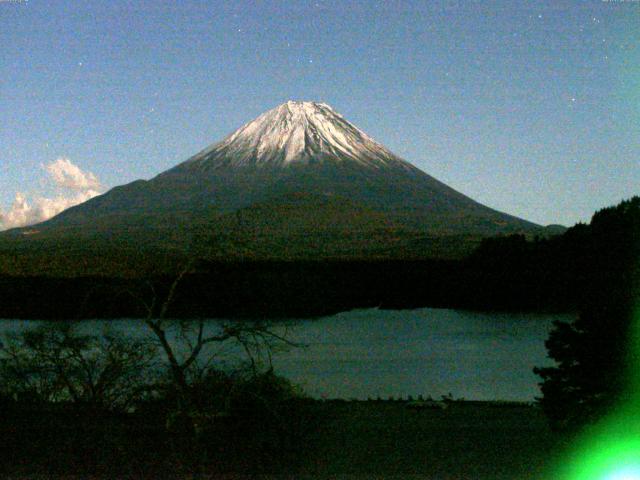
[611, 449]
[631, 473]
[609, 452]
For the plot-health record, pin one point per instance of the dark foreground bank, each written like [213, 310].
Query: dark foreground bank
[294, 289]
[315, 439]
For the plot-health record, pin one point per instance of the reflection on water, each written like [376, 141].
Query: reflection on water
[371, 353]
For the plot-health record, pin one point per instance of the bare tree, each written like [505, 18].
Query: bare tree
[58, 363]
[189, 350]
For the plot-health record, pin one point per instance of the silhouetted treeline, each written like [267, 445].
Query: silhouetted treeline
[508, 273]
[288, 289]
[596, 355]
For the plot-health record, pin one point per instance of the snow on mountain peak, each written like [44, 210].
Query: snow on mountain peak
[296, 132]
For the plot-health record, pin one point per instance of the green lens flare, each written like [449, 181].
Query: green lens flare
[630, 473]
[613, 459]
[611, 450]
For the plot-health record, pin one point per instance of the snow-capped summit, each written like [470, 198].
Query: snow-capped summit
[296, 132]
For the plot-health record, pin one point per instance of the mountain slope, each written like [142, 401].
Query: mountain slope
[298, 148]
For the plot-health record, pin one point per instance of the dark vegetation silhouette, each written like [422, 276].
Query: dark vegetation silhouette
[58, 363]
[159, 403]
[594, 353]
[253, 278]
[505, 273]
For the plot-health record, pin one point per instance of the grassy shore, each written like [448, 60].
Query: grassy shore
[336, 439]
[468, 440]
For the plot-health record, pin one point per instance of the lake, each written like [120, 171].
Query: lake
[382, 353]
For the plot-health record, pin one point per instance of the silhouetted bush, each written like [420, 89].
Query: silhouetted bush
[81, 403]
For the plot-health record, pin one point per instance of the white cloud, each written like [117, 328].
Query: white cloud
[67, 175]
[20, 213]
[73, 186]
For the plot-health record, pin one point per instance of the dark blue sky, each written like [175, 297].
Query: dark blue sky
[530, 107]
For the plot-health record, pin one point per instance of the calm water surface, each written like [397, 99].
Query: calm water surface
[382, 353]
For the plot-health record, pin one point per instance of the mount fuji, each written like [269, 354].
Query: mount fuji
[298, 181]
